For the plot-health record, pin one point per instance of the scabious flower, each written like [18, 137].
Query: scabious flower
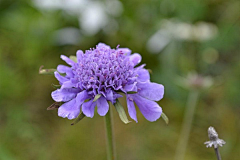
[98, 76]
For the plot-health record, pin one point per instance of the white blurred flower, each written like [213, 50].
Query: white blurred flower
[74, 7]
[204, 31]
[172, 29]
[92, 15]
[158, 41]
[47, 4]
[67, 36]
[93, 18]
[194, 81]
[214, 140]
[114, 7]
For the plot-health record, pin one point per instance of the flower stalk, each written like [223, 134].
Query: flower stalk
[187, 124]
[111, 154]
[217, 153]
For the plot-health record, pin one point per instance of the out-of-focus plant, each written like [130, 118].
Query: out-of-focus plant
[195, 84]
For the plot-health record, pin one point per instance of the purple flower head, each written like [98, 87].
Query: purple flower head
[97, 77]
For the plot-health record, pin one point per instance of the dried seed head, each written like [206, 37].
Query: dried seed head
[214, 140]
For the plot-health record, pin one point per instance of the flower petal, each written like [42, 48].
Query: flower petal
[151, 91]
[130, 87]
[63, 68]
[103, 46]
[60, 78]
[125, 51]
[64, 95]
[109, 95]
[68, 84]
[131, 108]
[116, 96]
[143, 75]
[69, 109]
[150, 109]
[79, 55]
[82, 96]
[88, 108]
[135, 58]
[67, 60]
[102, 106]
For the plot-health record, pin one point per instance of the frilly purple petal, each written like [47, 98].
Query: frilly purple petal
[68, 84]
[60, 78]
[82, 96]
[150, 109]
[102, 106]
[63, 68]
[130, 87]
[69, 110]
[88, 108]
[65, 94]
[143, 75]
[79, 55]
[103, 46]
[109, 95]
[131, 108]
[151, 91]
[125, 51]
[67, 60]
[135, 58]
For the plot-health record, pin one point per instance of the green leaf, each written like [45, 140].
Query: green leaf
[56, 86]
[131, 92]
[96, 97]
[121, 112]
[86, 100]
[79, 118]
[74, 58]
[165, 118]
[46, 71]
[150, 71]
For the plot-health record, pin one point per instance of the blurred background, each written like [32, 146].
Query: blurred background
[175, 38]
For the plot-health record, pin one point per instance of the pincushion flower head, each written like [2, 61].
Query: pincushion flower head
[98, 76]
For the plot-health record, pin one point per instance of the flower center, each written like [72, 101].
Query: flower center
[103, 69]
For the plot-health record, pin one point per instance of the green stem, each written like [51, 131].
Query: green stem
[187, 123]
[109, 135]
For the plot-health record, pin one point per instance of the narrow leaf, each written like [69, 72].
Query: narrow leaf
[86, 100]
[79, 118]
[121, 112]
[131, 92]
[56, 86]
[150, 71]
[74, 58]
[55, 105]
[46, 71]
[165, 118]
[96, 97]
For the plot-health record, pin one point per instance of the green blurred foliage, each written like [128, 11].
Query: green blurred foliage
[29, 131]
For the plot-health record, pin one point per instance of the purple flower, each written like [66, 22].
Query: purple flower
[98, 76]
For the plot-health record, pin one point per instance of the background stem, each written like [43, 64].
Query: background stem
[187, 123]
[217, 153]
[109, 136]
